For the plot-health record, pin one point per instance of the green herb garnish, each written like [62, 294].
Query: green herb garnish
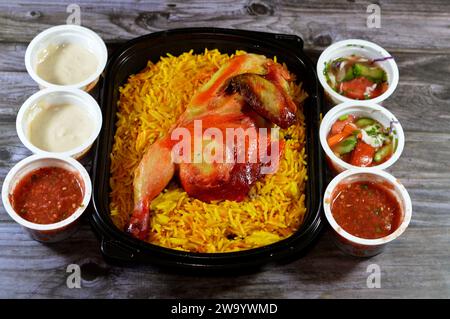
[372, 132]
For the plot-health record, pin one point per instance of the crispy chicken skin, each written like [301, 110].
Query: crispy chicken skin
[266, 98]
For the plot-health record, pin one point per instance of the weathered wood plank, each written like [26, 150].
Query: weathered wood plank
[12, 56]
[16, 88]
[318, 23]
[34, 270]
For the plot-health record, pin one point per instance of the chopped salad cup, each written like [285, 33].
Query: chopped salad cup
[361, 48]
[361, 109]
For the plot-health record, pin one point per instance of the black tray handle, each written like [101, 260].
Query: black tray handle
[117, 251]
[294, 41]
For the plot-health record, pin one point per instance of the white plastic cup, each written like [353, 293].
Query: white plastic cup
[67, 34]
[58, 96]
[362, 247]
[360, 109]
[362, 48]
[55, 232]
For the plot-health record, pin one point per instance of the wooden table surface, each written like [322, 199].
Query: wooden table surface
[416, 32]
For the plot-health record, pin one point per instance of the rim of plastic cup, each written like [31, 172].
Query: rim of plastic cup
[338, 110]
[363, 241]
[74, 28]
[9, 179]
[393, 82]
[42, 93]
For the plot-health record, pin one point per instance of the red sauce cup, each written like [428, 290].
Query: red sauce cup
[357, 246]
[55, 232]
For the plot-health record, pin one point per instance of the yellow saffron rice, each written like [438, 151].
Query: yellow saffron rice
[150, 103]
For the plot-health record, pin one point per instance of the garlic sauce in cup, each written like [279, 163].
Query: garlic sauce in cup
[66, 56]
[64, 122]
[66, 63]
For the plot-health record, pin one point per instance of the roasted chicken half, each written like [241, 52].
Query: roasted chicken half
[247, 93]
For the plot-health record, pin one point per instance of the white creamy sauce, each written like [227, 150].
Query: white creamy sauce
[59, 128]
[66, 64]
[374, 140]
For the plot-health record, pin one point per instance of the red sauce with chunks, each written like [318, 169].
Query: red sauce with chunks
[47, 195]
[366, 210]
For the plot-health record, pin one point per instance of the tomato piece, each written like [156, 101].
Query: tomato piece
[356, 88]
[380, 89]
[362, 155]
[339, 125]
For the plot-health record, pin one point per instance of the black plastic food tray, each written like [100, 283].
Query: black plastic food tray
[130, 59]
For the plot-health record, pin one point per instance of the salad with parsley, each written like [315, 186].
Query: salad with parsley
[361, 141]
[356, 77]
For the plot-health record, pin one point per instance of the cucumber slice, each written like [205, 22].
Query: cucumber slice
[345, 146]
[364, 121]
[348, 75]
[375, 74]
[382, 153]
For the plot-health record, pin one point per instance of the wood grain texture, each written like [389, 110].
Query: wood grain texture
[325, 272]
[411, 25]
[416, 265]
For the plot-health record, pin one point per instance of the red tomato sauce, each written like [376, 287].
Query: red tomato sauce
[47, 195]
[366, 210]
